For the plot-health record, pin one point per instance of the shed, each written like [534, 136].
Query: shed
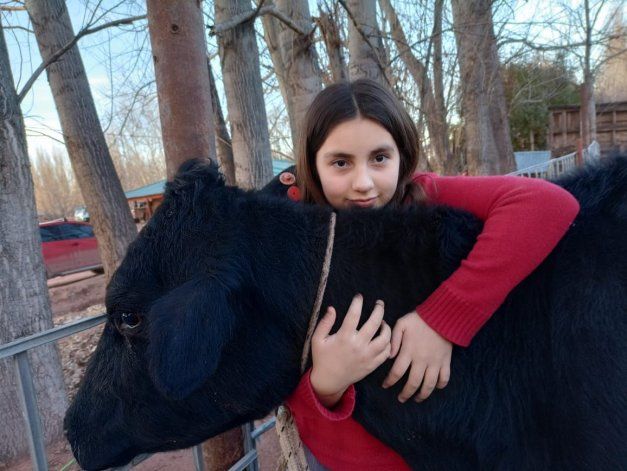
[564, 128]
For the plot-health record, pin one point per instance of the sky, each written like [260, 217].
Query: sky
[109, 55]
[40, 115]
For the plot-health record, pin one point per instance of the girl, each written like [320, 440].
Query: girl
[359, 149]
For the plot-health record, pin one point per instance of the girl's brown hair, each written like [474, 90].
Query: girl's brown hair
[342, 102]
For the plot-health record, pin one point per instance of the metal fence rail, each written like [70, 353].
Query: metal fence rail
[18, 349]
[556, 167]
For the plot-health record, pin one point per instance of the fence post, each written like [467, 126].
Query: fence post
[28, 398]
[579, 155]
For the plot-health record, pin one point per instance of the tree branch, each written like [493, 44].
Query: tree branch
[55, 57]
[249, 15]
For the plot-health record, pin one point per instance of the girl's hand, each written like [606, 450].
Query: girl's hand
[426, 351]
[349, 355]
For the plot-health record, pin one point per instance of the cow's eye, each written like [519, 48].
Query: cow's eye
[129, 321]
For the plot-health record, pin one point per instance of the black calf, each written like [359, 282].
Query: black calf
[208, 313]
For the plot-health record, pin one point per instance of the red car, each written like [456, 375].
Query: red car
[68, 247]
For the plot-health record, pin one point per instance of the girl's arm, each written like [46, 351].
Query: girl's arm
[524, 219]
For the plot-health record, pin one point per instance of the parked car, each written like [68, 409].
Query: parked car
[69, 247]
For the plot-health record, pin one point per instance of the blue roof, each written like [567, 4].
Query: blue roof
[526, 159]
[157, 188]
[279, 165]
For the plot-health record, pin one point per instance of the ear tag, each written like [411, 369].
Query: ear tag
[287, 178]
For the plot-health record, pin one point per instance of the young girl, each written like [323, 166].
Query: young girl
[359, 149]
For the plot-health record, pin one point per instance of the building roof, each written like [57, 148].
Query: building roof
[525, 159]
[157, 188]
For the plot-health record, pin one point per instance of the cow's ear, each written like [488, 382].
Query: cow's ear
[188, 329]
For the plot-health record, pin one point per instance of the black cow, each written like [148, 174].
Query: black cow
[208, 312]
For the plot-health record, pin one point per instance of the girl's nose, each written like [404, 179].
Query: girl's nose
[362, 181]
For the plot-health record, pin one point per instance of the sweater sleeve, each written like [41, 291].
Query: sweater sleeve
[306, 406]
[523, 218]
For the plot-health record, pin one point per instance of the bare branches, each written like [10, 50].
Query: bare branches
[54, 57]
[10, 8]
[249, 15]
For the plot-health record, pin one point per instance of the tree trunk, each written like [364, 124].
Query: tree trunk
[327, 22]
[84, 139]
[364, 43]
[587, 112]
[271, 36]
[436, 121]
[179, 54]
[239, 57]
[486, 125]
[298, 62]
[450, 164]
[223, 451]
[24, 303]
[224, 146]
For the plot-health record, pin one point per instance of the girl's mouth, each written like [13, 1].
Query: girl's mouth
[364, 203]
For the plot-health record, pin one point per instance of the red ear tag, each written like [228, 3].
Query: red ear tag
[287, 178]
[293, 193]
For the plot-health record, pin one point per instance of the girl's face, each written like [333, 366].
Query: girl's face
[358, 165]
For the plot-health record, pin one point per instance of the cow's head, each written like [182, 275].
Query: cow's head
[158, 378]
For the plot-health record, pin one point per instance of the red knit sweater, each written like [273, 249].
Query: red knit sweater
[523, 221]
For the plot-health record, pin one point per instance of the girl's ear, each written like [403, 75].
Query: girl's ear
[188, 328]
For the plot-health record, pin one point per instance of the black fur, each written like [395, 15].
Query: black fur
[225, 282]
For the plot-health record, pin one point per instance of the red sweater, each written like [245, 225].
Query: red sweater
[524, 219]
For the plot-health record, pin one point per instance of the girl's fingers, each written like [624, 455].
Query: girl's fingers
[353, 314]
[428, 383]
[373, 323]
[397, 337]
[323, 329]
[401, 364]
[443, 377]
[381, 357]
[416, 376]
[382, 341]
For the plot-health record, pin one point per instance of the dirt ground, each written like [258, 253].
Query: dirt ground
[82, 295]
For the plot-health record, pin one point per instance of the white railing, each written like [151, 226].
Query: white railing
[555, 167]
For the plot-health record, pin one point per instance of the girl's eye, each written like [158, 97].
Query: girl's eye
[380, 158]
[340, 163]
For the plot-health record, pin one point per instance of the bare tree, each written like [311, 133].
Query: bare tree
[56, 190]
[488, 144]
[24, 303]
[239, 57]
[328, 24]
[586, 17]
[611, 83]
[84, 139]
[434, 114]
[300, 72]
[179, 52]
[224, 146]
[364, 43]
